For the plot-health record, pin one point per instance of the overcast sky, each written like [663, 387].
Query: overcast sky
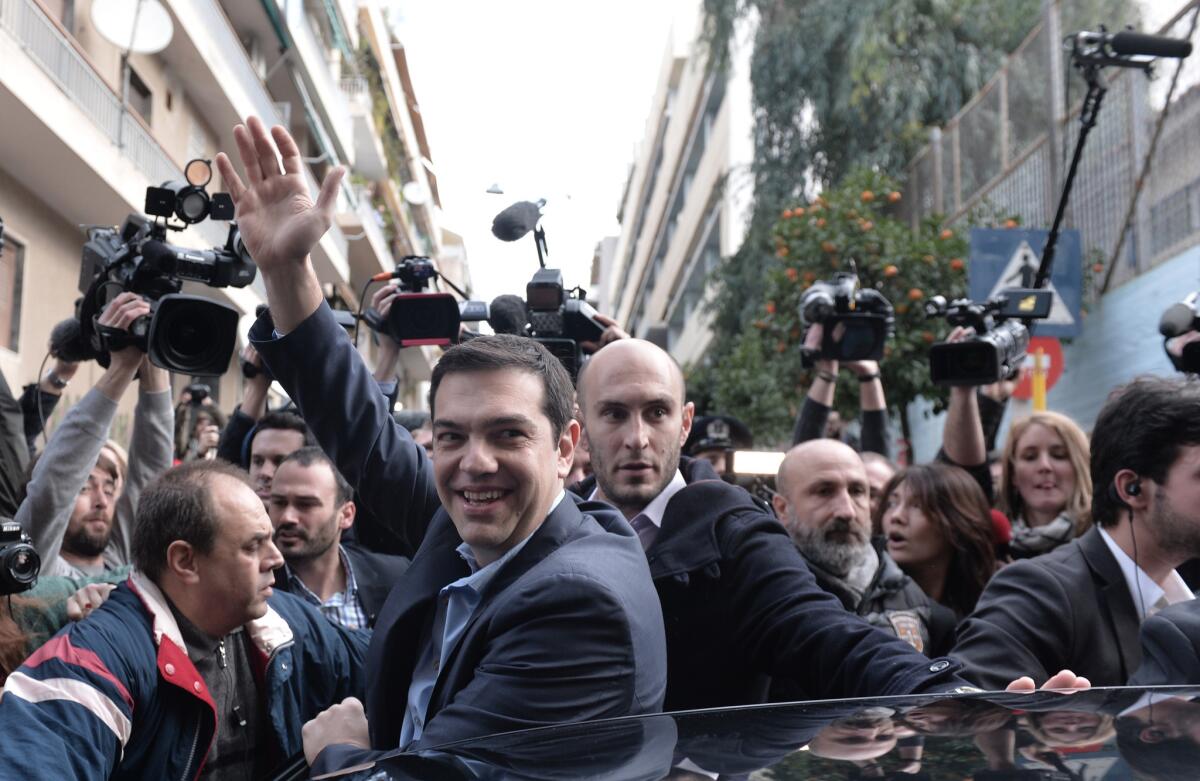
[546, 98]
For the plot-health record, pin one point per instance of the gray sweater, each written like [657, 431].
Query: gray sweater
[69, 458]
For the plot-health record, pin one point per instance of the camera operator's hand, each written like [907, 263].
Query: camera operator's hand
[1176, 344]
[278, 219]
[612, 332]
[962, 438]
[256, 388]
[120, 313]
[389, 348]
[206, 443]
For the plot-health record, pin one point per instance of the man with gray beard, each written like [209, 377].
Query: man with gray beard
[823, 500]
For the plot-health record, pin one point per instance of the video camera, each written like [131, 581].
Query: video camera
[1001, 337]
[19, 562]
[418, 317]
[1180, 319]
[183, 333]
[560, 319]
[856, 321]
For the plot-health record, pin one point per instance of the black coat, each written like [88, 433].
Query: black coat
[374, 573]
[740, 606]
[1068, 609]
[1171, 647]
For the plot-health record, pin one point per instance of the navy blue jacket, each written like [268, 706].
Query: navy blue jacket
[115, 696]
[742, 607]
[568, 629]
[1171, 647]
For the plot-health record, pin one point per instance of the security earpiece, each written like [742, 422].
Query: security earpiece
[1134, 488]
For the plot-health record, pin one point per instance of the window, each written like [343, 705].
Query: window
[141, 99]
[12, 268]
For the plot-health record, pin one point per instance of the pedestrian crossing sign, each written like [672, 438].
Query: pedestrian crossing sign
[1007, 258]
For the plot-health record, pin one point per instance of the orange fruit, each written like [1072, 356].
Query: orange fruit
[867, 196]
[787, 214]
[770, 307]
[781, 347]
[820, 222]
[866, 225]
[1098, 267]
[916, 294]
[781, 251]
[890, 270]
[946, 234]
[792, 274]
[1010, 224]
[829, 246]
[798, 212]
[901, 309]
[957, 264]
[893, 197]
[809, 277]
[927, 336]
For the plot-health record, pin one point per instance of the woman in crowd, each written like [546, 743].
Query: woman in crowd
[938, 528]
[1045, 484]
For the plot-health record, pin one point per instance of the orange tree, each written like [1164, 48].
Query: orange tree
[762, 378]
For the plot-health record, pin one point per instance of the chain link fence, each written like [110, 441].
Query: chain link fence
[1008, 149]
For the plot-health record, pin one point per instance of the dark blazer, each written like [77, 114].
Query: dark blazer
[1068, 609]
[568, 629]
[375, 574]
[741, 607]
[1171, 647]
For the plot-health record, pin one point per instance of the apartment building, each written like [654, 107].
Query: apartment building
[71, 155]
[686, 199]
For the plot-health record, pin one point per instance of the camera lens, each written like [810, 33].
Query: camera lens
[193, 335]
[19, 567]
[192, 206]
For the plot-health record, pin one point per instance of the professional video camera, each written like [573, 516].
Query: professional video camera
[561, 319]
[997, 349]
[418, 317]
[183, 333]
[856, 322]
[1180, 319]
[19, 562]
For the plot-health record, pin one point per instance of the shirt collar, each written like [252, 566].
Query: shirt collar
[1173, 588]
[486, 572]
[351, 584]
[658, 506]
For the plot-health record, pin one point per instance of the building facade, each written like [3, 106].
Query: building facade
[331, 71]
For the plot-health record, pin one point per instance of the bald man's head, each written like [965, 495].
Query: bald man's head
[631, 396]
[823, 500]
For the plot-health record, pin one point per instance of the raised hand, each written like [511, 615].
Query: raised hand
[276, 215]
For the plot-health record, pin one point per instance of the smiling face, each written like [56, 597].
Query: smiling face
[913, 539]
[497, 464]
[1042, 474]
[635, 422]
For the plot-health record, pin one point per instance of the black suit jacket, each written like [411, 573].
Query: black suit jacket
[1171, 647]
[1068, 609]
[375, 574]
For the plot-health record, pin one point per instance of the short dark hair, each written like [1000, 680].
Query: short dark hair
[1141, 427]
[505, 351]
[285, 420]
[178, 506]
[307, 456]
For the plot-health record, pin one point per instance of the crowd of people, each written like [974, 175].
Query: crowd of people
[343, 581]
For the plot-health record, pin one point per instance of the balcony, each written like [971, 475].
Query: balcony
[369, 158]
[369, 253]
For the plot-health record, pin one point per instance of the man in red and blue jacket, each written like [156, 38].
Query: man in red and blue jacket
[193, 665]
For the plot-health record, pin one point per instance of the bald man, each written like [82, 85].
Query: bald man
[823, 500]
[739, 603]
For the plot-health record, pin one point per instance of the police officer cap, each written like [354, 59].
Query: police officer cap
[713, 432]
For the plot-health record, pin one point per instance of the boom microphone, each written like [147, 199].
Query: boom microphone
[508, 315]
[517, 220]
[1129, 44]
[1179, 318]
[67, 344]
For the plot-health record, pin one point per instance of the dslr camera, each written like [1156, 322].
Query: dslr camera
[418, 317]
[1001, 339]
[19, 562]
[1180, 319]
[183, 333]
[856, 321]
[560, 319]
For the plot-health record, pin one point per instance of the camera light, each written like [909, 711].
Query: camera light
[198, 172]
[756, 462]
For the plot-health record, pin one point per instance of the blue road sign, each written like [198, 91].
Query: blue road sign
[1004, 258]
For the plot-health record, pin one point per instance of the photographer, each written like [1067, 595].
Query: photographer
[198, 425]
[80, 501]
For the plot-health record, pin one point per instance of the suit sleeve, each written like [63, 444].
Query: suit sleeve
[229, 448]
[1022, 625]
[67, 711]
[793, 629]
[342, 404]
[1169, 656]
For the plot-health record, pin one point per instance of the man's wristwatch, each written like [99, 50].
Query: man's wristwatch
[868, 377]
[55, 380]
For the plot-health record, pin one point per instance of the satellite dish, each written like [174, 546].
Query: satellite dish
[415, 193]
[116, 21]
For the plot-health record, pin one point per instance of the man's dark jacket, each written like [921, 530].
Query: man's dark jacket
[1171, 647]
[374, 573]
[741, 607]
[1068, 609]
[568, 629]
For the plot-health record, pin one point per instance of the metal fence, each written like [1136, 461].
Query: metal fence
[1008, 148]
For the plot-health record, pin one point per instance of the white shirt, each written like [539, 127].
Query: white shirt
[1172, 590]
[658, 505]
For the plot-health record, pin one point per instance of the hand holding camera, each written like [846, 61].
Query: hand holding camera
[120, 319]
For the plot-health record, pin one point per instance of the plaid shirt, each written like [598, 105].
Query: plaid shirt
[344, 607]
